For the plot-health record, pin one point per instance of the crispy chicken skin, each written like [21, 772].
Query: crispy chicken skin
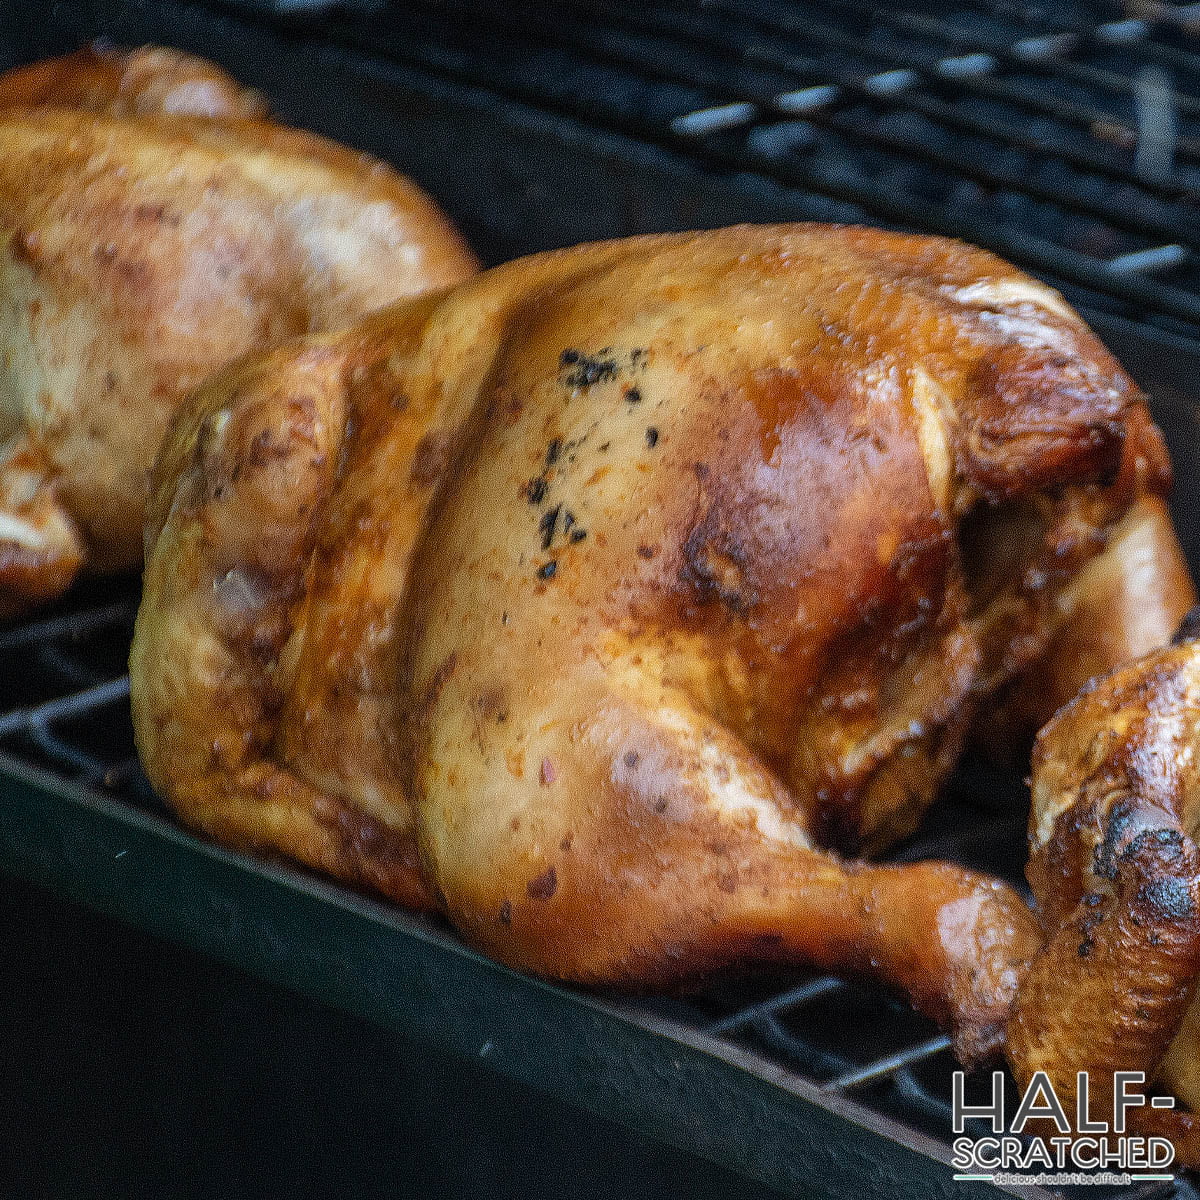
[593, 601]
[139, 253]
[1116, 873]
[1126, 602]
[128, 83]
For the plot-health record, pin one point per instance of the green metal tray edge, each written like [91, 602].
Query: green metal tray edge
[409, 975]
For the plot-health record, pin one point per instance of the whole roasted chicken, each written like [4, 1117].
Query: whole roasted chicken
[153, 228]
[594, 601]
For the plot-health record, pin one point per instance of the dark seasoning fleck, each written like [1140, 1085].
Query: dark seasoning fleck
[583, 370]
[548, 525]
[580, 370]
[543, 886]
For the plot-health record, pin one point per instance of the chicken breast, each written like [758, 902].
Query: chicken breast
[138, 253]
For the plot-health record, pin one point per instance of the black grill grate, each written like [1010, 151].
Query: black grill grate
[64, 692]
[64, 706]
[1068, 140]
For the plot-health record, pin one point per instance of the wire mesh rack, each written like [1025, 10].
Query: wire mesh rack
[64, 707]
[1066, 137]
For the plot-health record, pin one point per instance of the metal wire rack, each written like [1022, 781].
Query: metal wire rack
[64, 706]
[1064, 137]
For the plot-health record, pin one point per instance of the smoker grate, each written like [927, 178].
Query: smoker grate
[1069, 142]
[64, 706]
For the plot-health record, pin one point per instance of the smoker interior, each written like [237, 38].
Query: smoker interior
[545, 124]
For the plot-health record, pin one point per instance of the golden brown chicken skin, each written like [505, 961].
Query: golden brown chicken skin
[1116, 873]
[592, 601]
[126, 83]
[1127, 601]
[138, 254]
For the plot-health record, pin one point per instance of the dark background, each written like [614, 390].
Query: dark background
[132, 1068]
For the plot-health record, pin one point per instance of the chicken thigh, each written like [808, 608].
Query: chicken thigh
[593, 601]
[140, 252]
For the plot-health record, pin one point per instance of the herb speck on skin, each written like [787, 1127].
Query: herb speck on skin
[535, 490]
[546, 571]
[586, 370]
[548, 524]
[633, 395]
[553, 451]
[577, 535]
[651, 437]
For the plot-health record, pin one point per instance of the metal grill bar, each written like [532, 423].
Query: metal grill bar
[634, 55]
[72, 693]
[39, 723]
[716, 41]
[72, 626]
[1108, 81]
[810, 1053]
[883, 1067]
[970, 72]
[1057, 262]
[64, 707]
[790, 1000]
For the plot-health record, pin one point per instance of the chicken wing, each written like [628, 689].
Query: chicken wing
[594, 600]
[139, 253]
[1126, 602]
